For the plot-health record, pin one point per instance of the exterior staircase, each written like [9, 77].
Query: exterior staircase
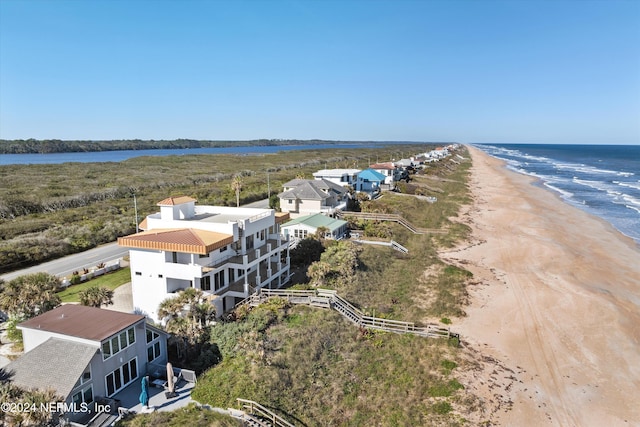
[253, 414]
[327, 298]
[389, 217]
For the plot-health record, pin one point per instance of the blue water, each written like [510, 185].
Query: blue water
[120, 155]
[603, 180]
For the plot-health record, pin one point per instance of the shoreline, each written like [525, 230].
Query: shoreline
[555, 302]
[540, 183]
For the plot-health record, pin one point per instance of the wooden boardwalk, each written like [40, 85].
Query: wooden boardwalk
[390, 217]
[326, 298]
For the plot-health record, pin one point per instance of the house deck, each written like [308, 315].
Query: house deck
[129, 397]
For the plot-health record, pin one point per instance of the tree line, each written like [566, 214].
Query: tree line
[44, 146]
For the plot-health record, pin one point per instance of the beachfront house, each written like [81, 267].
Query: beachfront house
[343, 177]
[226, 252]
[305, 226]
[390, 171]
[308, 196]
[85, 354]
[370, 182]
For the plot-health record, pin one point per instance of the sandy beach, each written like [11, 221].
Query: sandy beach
[556, 305]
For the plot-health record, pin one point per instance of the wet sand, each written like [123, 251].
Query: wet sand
[556, 303]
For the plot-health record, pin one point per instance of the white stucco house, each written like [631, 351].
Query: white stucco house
[390, 171]
[344, 177]
[85, 354]
[309, 196]
[226, 252]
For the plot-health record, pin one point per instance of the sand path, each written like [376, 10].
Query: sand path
[558, 303]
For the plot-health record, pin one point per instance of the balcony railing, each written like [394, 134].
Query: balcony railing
[266, 280]
[251, 255]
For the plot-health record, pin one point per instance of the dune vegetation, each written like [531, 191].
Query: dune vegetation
[315, 368]
[51, 210]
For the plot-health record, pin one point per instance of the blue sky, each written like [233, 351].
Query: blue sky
[467, 71]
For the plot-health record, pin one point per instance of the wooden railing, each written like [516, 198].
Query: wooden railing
[327, 298]
[261, 416]
[390, 217]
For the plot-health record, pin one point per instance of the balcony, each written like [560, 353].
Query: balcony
[237, 287]
[252, 256]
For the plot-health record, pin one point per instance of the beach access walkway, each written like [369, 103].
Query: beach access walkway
[389, 217]
[327, 298]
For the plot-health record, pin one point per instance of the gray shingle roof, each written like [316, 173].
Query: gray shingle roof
[55, 364]
[310, 189]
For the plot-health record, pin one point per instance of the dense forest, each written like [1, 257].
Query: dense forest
[33, 146]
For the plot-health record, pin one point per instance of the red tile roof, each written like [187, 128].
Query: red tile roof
[386, 165]
[172, 201]
[187, 240]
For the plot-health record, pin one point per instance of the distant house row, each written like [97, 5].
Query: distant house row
[331, 188]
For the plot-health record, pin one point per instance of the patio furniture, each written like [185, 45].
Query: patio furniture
[159, 383]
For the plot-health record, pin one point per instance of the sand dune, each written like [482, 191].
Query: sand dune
[557, 304]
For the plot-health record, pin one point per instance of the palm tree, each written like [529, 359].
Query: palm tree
[29, 295]
[188, 315]
[170, 307]
[321, 232]
[318, 272]
[96, 296]
[236, 186]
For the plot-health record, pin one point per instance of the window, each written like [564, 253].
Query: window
[121, 377]
[224, 248]
[138, 273]
[262, 235]
[123, 340]
[83, 396]
[290, 201]
[115, 347]
[232, 274]
[106, 350]
[174, 257]
[84, 378]
[205, 283]
[118, 342]
[160, 276]
[151, 335]
[153, 351]
[219, 280]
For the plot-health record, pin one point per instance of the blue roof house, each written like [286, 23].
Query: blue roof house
[369, 181]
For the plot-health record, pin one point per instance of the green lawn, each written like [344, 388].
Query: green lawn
[111, 281]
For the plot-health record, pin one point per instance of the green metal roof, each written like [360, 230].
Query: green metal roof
[316, 221]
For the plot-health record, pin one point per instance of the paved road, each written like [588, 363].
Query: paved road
[66, 265]
[259, 204]
[90, 258]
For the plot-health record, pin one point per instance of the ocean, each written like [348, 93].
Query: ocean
[603, 180]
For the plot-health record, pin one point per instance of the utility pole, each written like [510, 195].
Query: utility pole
[135, 207]
[268, 187]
